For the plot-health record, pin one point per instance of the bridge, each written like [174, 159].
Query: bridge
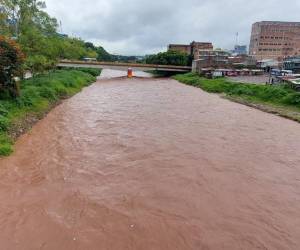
[123, 66]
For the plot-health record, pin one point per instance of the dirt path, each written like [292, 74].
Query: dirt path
[152, 164]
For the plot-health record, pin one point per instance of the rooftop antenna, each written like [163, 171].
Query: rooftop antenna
[237, 38]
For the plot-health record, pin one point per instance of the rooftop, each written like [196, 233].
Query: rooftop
[172, 44]
[278, 23]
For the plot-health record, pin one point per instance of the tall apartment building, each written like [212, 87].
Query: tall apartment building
[275, 40]
[193, 48]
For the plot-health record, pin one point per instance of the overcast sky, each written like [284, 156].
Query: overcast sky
[139, 27]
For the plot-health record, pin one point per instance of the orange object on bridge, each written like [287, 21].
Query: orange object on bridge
[129, 73]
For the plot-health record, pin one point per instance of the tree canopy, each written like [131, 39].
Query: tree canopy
[170, 58]
[36, 32]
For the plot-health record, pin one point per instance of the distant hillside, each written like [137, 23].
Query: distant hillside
[103, 55]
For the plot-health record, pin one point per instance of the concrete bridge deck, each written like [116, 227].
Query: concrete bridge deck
[123, 66]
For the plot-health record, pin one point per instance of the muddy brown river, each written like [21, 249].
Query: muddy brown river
[152, 164]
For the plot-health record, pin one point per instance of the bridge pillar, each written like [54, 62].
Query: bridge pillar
[129, 73]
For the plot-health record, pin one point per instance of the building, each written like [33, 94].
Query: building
[180, 48]
[275, 40]
[242, 61]
[213, 56]
[268, 64]
[292, 63]
[210, 59]
[240, 50]
[192, 49]
[198, 47]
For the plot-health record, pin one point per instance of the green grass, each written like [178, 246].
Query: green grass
[91, 71]
[38, 95]
[272, 96]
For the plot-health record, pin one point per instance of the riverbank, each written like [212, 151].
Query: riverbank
[278, 100]
[38, 95]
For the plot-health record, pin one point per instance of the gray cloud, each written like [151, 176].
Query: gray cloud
[142, 27]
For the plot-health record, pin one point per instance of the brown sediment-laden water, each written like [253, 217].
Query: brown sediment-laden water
[152, 164]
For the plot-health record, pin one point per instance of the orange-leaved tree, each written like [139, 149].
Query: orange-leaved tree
[11, 61]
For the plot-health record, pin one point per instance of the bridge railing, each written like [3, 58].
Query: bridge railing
[133, 65]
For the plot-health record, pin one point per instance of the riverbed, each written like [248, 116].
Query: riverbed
[150, 163]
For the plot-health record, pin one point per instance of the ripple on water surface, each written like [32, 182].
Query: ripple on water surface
[152, 164]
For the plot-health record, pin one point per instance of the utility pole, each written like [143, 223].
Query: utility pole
[60, 26]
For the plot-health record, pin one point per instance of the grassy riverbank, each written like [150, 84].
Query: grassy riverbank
[280, 100]
[38, 96]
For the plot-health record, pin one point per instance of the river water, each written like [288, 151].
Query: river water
[152, 164]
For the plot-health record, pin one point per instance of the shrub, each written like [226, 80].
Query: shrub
[5, 144]
[11, 59]
[4, 123]
[93, 72]
[5, 149]
[36, 64]
[90, 71]
[61, 90]
[272, 93]
[29, 95]
[48, 93]
[292, 99]
[3, 110]
[241, 90]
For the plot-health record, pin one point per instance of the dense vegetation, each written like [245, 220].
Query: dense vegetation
[37, 96]
[100, 53]
[273, 95]
[91, 71]
[26, 22]
[36, 32]
[170, 58]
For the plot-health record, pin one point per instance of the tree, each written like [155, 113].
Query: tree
[170, 58]
[99, 52]
[73, 48]
[26, 22]
[11, 60]
[32, 28]
[23, 13]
